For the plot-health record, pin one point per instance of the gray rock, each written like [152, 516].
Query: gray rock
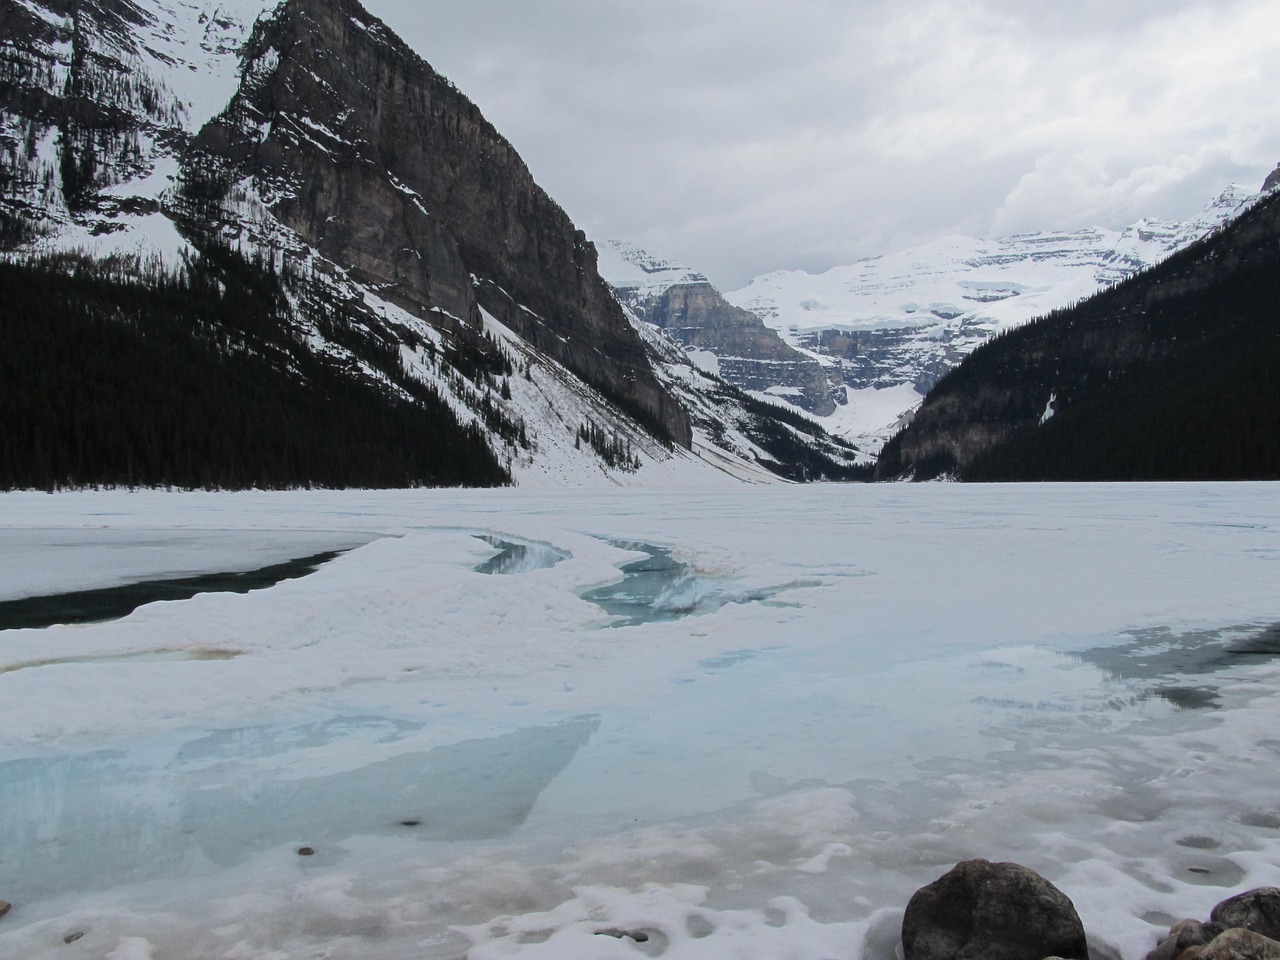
[1240, 944]
[1183, 935]
[1272, 181]
[1257, 910]
[992, 911]
[5, 907]
[751, 355]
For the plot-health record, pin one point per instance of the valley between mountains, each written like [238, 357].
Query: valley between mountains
[250, 244]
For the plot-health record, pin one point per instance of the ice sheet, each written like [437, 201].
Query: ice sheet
[42, 561]
[1080, 678]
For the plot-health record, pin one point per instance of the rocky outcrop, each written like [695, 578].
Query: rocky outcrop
[1184, 935]
[748, 353]
[1236, 944]
[1004, 911]
[381, 165]
[920, 356]
[991, 911]
[1243, 927]
[691, 310]
[1272, 181]
[1257, 910]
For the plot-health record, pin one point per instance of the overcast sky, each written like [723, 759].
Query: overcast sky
[743, 136]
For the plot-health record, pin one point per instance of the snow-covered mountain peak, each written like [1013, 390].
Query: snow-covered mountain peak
[626, 266]
[998, 282]
[905, 318]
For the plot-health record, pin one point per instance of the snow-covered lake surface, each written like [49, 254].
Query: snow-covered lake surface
[493, 750]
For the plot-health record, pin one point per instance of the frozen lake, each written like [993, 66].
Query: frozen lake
[735, 724]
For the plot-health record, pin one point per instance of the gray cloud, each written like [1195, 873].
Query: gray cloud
[748, 136]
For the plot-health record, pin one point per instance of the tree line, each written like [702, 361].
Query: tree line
[199, 378]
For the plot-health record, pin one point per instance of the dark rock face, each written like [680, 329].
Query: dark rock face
[385, 168]
[750, 355]
[1243, 927]
[1272, 181]
[992, 911]
[1257, 910]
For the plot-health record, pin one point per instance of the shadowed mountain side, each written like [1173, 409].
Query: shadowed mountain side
[1169, 375]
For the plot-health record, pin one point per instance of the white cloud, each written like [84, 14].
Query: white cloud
[748, 136]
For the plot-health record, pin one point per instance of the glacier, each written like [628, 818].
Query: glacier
[840, 692]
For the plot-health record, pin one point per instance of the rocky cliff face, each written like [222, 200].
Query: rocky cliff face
[878, 359]
[378, 163]
[401, 248]
[747, 353]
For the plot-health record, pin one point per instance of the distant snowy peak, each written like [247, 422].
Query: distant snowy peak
[897, 323]
[996, 283]
[625, 266]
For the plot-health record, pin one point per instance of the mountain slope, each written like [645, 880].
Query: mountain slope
[195, 379]
[899, 322]
[1169, 375]
[396, 246]
[382, 167]
[99, 93]
[746, 436]
[732, 342]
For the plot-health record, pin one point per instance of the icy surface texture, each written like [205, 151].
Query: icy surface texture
[1078, 678]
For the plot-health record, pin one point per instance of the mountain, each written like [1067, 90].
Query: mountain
[1169, 375]
[252, 244]
[733, 429]
[728, 340]
[899, 322]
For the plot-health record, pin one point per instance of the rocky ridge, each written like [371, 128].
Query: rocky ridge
[732, 342]
[386, 170]
[411, 245]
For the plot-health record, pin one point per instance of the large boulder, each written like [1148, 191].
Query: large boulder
[992, 911]
[1184, 935]
[1257, 910]
[1238, 944]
